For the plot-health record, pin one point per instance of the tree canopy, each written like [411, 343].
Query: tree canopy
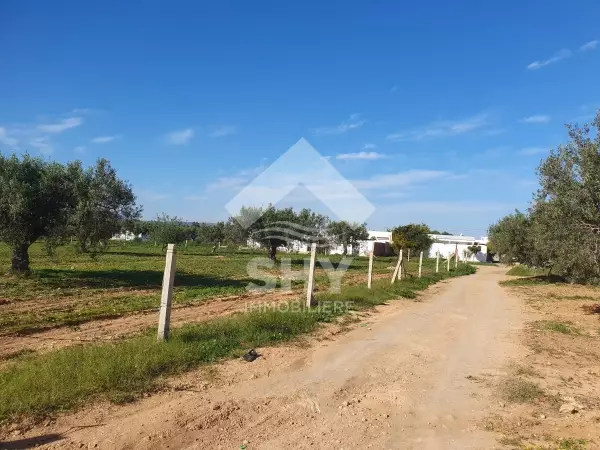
[42, 199]
[413, 236]
[347, 234]
[36, 198]
[275, 227]
[104, 206]
[561, 230]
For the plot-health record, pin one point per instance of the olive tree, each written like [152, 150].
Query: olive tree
[412, 236]
[347, 234]
[168, 230]
[105, 205]
[36, 199]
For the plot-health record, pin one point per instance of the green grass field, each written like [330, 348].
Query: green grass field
[69, 288]
[33, 385]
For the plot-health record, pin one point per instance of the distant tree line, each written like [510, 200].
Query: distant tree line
[561, 229]
[59, 203]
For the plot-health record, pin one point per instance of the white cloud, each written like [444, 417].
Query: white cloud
[368, 146]
[43, 145]
[180, 137]
[558, 56]
[353, 122]
[361, 155]
[80, 149]
[61, 126]
[441, 129]
[400, 179]
[589, 46]
[6, 139]
[235, 182]
[536, 119]
[528, 151]
[103, 139]
[226, 130]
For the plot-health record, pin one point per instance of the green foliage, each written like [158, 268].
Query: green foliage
[210, 233]
[562, 228]
[412, 236]
[273, 227]
[521, 270]
[36, 198]
[105, 205]
[347, 234]
[510, 238]
[474, 249]
[168, 230]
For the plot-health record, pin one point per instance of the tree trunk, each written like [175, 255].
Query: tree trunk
[272, 251]
[20, 258]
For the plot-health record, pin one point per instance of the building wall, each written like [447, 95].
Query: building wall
[447, 245]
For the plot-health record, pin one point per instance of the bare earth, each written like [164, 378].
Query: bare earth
[407, 377]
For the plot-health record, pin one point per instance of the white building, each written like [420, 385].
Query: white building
[447, 245]
[363, 248]
[125, 236]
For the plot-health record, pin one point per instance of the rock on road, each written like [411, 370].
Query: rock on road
[411, 379]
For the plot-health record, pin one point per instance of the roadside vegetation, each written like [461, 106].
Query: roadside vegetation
[560, 233]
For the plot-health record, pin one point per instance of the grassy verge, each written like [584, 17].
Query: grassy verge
[533, 281]
[37, 385]
[522, 270]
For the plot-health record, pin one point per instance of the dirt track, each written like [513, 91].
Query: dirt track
[407, 380]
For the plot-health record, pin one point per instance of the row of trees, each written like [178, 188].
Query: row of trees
[41, 199]
[561, 229]
[272, 228]
[55, 202]
[269, 227]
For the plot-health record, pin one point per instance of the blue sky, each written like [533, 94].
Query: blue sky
[437, 111]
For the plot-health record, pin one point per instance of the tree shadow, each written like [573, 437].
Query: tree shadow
[140, 254]
[31, 442]
[138, 279]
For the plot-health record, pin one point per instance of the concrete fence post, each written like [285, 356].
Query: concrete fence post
[370, 276]
[448, 267]
[408, 256]
[400, 267]
[311, 275]
[420, 263]
[395, 274]
[164, 316]
[437, 261]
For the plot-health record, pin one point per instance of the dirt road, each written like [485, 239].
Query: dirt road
[409, 379]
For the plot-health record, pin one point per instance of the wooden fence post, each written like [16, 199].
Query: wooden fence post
[311, 275]
[370, 279]
[449, 258]
[456, 258]
[437, 261]
[164, 316]
[420, 263]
